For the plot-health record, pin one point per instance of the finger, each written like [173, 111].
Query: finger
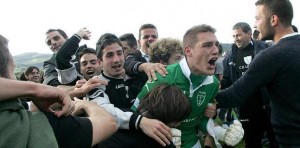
[163, 68]
[76, 99]
[159, 140]
[67, 108]
[163, 137]
[209, 115]
[167, 132]
[153, 75]
[149, 76]
[92, 86]
[103, 82]
[160, 71]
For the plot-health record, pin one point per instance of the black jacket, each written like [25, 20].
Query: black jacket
[259, 99]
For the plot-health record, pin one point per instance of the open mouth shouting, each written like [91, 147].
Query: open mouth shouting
[212, 63]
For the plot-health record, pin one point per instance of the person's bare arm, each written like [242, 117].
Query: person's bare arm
[104, 124]
[66, 88]
[43, 96]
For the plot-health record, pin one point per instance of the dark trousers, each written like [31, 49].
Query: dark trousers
[255, 124]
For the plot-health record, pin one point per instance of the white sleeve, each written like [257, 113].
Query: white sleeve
[67, 76]
[122, 118]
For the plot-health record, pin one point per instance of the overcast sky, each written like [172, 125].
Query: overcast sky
[24, 22]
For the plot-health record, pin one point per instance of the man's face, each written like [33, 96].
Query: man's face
[33, 76]
[174, 58]
[202, 57]
[148, 37]
[126, 48]
[55, 40]
[113, 60]
[263, 24]
[90, 65]
[241, 39]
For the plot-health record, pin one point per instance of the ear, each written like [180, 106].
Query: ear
[187, 51]
[250, 34]
[134, 48]
[274, 20]
[26, 77]
[99, 61]
[139, 43]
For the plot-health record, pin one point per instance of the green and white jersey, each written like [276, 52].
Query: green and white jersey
[200, 96]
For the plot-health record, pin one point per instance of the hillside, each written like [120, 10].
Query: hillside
[24, 60]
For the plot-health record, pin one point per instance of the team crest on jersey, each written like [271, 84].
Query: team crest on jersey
[200, 98]
[248, 59]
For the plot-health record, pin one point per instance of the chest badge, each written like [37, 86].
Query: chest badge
[248, 59]
[200, 98]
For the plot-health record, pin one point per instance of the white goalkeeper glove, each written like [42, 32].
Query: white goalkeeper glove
[176, 137]
[231, 136]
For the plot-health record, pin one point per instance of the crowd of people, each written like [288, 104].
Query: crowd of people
[159, 92]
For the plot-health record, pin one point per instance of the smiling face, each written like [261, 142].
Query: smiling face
[263, 24]
[54, 40]
[33, 76]
[113, 60]
[241, 39]
[89, 65]
[148, 37]
[202, 57]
